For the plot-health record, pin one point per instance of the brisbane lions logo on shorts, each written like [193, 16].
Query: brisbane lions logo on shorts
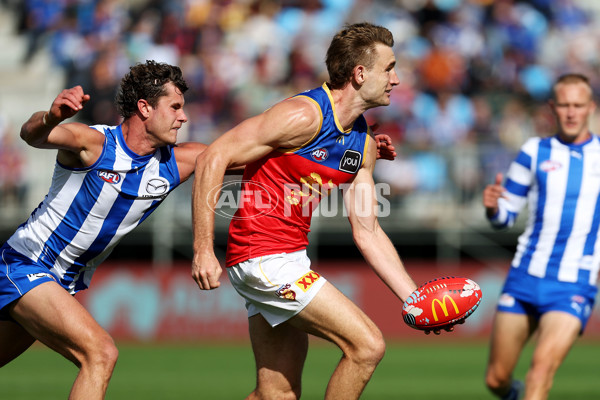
[285, 292]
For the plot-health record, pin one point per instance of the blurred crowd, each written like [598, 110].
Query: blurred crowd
[475, 74]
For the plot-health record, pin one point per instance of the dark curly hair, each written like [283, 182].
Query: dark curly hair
[352, 46]
[146, 81]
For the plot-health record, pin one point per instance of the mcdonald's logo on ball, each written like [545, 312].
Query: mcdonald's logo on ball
[441, 303]
[443, 307]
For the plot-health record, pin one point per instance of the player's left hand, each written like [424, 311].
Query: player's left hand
[385, 150]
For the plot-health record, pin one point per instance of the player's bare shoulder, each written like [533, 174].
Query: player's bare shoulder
[298, 120]
[186, 154]
[79, 145]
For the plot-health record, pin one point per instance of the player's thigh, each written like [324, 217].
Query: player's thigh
[510, 333]
[14, 340]
[557, 332]
[333, 316]
[279, 353]
[52, 316]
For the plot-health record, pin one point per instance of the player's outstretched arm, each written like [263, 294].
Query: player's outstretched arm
[78, 144]
[38, 130]
[374, 244]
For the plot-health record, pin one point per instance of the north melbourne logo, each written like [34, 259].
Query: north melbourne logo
[350, 161]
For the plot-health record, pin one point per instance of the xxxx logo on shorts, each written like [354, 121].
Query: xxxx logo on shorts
[307, 280]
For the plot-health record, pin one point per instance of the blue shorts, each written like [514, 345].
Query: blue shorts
[18, 275]
[533, 296]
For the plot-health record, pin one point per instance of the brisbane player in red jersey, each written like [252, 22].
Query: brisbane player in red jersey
[295, 153]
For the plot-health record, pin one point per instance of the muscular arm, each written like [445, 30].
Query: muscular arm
[288, 124]
[78, 145]
[375, 246]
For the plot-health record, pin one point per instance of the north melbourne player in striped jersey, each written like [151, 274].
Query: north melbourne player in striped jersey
[107, 179]
[551, 285]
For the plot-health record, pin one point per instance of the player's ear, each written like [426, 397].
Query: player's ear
[358, 73]
[144, 108]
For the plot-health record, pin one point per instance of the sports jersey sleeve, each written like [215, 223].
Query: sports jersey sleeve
[519, 179]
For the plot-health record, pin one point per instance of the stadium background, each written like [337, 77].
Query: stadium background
[475, 75]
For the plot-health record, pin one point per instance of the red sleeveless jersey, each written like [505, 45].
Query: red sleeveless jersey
[280, 191]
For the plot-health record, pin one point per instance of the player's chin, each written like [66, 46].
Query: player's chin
[387, 99]
[172, 137]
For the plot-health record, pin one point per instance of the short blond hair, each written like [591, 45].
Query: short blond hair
[570, 79]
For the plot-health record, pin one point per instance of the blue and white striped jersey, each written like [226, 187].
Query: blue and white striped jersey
[560, 182]
[87, 211]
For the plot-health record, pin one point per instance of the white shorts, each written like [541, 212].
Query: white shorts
[277, 286]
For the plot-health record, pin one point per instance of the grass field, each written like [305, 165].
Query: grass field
[226, 371]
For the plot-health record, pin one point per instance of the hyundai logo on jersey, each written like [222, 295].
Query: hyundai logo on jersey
[350, 162]
[320, 154]
[109, 176]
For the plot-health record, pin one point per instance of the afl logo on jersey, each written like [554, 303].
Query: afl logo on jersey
[550, 165]
[109, 176]
[319, 155]
[350, 161]
[157, 186]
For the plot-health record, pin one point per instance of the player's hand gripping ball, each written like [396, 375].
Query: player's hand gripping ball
[441, 303]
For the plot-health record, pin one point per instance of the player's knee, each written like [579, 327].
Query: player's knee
[496, 380]
[110, 354]
[541, 373]
[377, 347]
[102, 355]
[371, 349]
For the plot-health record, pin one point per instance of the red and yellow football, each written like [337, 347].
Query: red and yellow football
[441, 302]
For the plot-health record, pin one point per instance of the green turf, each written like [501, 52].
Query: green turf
[225, 371]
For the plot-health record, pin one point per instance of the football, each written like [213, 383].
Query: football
[441, 302]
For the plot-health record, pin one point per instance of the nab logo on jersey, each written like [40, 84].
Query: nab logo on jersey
[109, 176]
[320, 154]
[350, 161]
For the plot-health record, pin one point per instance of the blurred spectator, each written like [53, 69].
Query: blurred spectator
[100, 83]
[475, 73]
[13, 186]
[40, 17]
